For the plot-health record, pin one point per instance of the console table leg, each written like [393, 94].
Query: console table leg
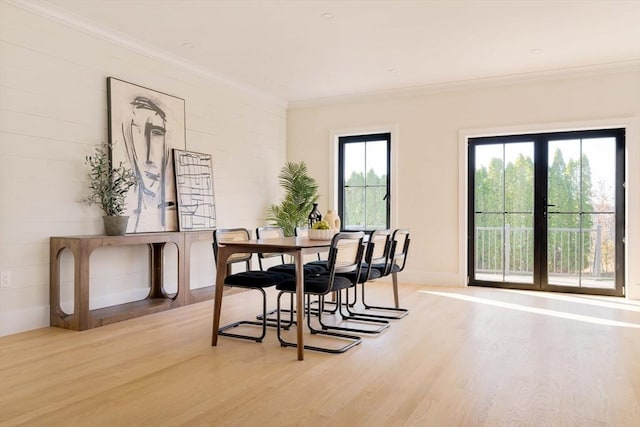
[156, 271]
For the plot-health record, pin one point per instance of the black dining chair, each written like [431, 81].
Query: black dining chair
[273, 232]
[248, 279]
[345, 255]
[376, 254]
[396, 260]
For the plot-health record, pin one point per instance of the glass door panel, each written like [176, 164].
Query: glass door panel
[519, 248]
[581, 194]
[503, 219]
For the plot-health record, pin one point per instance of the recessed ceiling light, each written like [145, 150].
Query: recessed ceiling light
[327, 15]
[536, 50]
[187, 44]
[392, 70]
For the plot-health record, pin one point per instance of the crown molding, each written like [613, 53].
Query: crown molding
[48, 11]
[454, 86]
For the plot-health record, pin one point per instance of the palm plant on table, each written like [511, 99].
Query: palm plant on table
[301, 194]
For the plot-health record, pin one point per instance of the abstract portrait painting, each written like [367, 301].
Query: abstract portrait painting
[194, 184]
[144, 127]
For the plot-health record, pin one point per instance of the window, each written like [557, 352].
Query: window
[364, 198]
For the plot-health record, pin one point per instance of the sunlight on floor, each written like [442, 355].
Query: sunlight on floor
[618, 303]
[546, 312]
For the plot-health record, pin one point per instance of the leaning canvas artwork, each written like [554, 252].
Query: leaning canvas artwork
[194, 185]
[144, 126]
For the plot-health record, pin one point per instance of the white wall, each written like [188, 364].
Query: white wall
[431, 168]
[53, 109]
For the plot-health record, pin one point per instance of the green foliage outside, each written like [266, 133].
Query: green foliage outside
[510, 189]
[301, 194]
[359, 215]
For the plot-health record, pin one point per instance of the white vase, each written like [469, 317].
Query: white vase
[333, 219]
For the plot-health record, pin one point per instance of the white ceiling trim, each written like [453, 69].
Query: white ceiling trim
[136, 46]
[532, 77]
[51, 12]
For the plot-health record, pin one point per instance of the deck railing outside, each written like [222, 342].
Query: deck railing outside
[572, 251]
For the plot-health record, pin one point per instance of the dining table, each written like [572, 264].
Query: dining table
[297, 247]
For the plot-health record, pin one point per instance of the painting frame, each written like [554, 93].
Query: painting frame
[144, 126]
[194, 190]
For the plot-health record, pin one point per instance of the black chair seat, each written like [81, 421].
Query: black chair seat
[316, 285]
[290, 269]
[256, 279]
[364, 274]
[380, 267]
[376, 266]
[320, 263]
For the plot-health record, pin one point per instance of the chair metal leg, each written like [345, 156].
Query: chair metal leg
[402, 312]
[263, 323]
[353, 317]
[273, 320]
[354, 340]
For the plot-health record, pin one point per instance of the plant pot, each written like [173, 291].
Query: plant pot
[115, 225]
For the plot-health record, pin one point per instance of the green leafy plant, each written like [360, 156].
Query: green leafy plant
[301, 194]
[108, 185]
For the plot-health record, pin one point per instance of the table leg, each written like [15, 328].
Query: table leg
[394, 277]
[221, 271]
[300, 302]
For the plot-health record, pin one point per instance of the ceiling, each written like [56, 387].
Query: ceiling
[302, 50]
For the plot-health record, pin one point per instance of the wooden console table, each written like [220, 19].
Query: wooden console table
[81, 248]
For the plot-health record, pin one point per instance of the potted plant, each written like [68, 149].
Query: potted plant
[108, 188]
[301, 194]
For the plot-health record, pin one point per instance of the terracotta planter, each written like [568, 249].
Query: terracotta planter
[115, 225]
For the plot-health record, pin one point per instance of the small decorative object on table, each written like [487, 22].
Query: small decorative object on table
[333, 219]
[108, 187]
[321, 231]
[314, 216]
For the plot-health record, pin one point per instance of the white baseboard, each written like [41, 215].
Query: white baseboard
[16, 321]
[427, 278]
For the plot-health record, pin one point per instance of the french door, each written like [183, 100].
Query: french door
[546, 211]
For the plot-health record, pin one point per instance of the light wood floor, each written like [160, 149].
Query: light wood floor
[463, 357]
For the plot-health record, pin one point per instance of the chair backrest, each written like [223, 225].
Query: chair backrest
[269, 233]
[399, 249]
[378, 248]
[232, 235]
[345, 253]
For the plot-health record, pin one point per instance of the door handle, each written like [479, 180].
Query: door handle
[546, 207]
